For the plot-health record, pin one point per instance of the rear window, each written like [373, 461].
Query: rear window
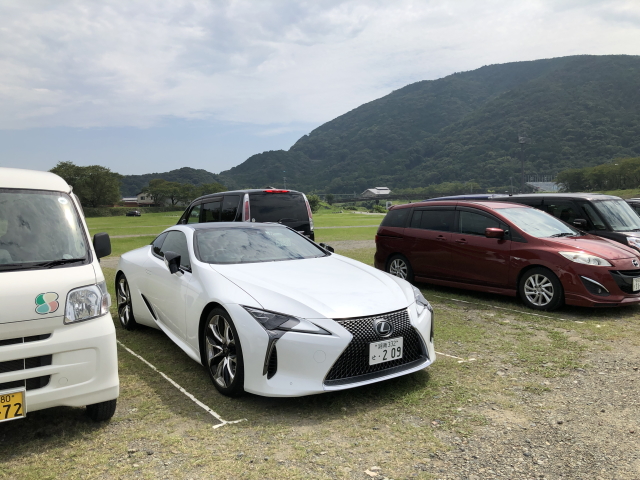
[276, 207]
[396, 218]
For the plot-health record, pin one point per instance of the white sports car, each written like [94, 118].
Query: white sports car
[268, 311]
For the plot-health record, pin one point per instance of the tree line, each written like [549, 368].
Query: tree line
[618, 174]
[97, 186]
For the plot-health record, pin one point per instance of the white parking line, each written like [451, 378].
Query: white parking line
[191, 397]
[507, 309]
[460, 359]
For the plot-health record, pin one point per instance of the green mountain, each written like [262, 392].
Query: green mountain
[577, 111]
[133, 184]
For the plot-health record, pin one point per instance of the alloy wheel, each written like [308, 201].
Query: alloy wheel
[125, 311]
[398, 268]
[538, 290]
[221, 351]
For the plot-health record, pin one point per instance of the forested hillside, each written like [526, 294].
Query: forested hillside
[133, 184]
[578, 111]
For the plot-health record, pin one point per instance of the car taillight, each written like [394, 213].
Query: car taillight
[376, 238]
[246, 213]
[309, 212]
[276, 191]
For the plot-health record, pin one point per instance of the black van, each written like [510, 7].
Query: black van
[287, 207]
[603, 215]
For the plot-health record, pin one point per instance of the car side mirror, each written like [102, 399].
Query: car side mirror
[580, 223]
[102, 244]
[493, 232]
[327, 247]
[172, 261]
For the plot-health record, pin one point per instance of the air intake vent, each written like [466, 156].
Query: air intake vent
[272, 368]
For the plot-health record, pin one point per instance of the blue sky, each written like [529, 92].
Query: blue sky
[140, 86]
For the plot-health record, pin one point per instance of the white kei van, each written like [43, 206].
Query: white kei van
[57, 338]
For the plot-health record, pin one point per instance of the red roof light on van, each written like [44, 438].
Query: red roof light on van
[276, 191]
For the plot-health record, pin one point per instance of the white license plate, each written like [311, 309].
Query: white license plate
[385, 351]
[636, 284]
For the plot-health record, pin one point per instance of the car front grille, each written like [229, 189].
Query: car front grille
[624, 279]
[26, 364]
[28, 384]
[15, 341]
[353, 365]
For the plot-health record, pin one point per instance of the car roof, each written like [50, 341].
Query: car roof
[493, 205]
[250, 190]
[585, 195]
[32, 180]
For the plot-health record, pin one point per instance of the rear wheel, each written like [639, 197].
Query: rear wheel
[99, 412]
[399, 266]
[223, 353]
[541, 289]
[125, 308]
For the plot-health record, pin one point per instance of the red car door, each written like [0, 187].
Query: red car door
[428, 241]
[476, 258]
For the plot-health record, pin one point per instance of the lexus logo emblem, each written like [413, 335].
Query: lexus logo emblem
[383, 328]
[635, 263]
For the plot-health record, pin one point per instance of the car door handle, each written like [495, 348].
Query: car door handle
[441, 237]
[461, 241]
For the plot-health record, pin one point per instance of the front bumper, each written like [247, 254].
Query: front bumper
[305, 360]
[76, 364]
[580, 283]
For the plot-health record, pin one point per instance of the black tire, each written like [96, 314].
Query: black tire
[540, 289]
[399, 266]
[100, 412]
[222, 353]
[125, 307]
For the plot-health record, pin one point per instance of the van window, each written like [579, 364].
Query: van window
[619, 215]
[416, 218]
[275, 207]
[210, 212]
[593, 217]
[230, 208]
[396, 218]
[177, 242]
[440, 220]
[38, 227]
[475, 223]
[565, 211]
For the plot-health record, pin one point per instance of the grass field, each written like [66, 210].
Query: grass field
[402, 427]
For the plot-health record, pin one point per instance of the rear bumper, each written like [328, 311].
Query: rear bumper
[83, 369]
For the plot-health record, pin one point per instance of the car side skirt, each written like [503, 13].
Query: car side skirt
[511, 292]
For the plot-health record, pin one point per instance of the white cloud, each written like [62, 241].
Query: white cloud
[135, 63]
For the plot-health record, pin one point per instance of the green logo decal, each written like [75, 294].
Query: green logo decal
[47, 303]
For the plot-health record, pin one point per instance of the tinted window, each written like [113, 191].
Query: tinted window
[441, 220]
[210, 212]
[396, 218]
[415, 219]
[177, 242]
[194, 214]
[275, 207]
[230, 208]
[475, 223]
[252, 245]
[593, 217]
[565, 211]
[38, 226]
[157, 244]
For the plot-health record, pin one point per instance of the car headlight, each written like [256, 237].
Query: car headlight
[285, 323]
[634, 242]
[421, 302]
[88, 302]
[585, 258]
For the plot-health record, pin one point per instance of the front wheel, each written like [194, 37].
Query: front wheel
[399, 266]
[223, 353]
[100, 412]
[540, 289]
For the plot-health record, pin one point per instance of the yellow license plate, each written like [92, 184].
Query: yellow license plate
[12, 405]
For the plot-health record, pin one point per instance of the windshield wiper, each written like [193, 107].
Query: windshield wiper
[55, 263]
[564, 234]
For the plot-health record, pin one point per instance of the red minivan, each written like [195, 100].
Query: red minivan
[508, 249]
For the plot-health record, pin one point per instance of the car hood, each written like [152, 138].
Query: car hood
[601, 247]
[326, 287]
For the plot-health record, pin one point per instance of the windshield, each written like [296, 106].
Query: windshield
[37, 228]
[619, 215]
[537, 223]
[252, 245]
[278, 207]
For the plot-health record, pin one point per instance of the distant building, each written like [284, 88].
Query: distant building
[144, 199]
[375, 192]
[130, 201]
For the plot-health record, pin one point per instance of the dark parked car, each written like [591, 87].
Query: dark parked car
[505, 248]
[133, 213]
[634, 203]
[287, 207]
[603, 215]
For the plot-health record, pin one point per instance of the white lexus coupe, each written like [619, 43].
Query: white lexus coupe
[268, 311]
